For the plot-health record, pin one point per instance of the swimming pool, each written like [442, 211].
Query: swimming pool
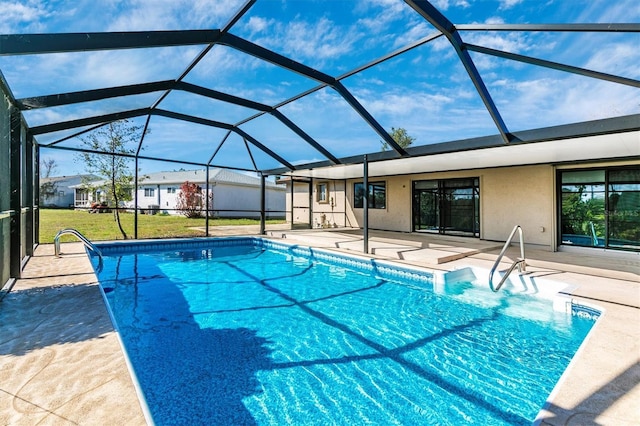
[250, 331]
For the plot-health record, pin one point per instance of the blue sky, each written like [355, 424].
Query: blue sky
[426, 91]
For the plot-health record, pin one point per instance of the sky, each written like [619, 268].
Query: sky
[425, 90]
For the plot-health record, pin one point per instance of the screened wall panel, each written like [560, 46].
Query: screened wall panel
[5, 190]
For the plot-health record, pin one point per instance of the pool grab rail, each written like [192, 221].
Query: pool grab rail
[85, 240]
[520, 263]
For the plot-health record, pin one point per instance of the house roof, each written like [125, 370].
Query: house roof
[67, 178]
[328, 106]
[216, 175]
[196, 176]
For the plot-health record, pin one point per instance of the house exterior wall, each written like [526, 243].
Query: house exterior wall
[160, 197]
[64, 193]
[518, 196]
[301, 206]
[509, 196]
[396, 216]
[229, 200]
[329, 210]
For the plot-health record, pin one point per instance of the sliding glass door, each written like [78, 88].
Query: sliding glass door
[449, 206]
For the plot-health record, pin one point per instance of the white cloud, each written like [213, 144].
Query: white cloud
[494, 20]
[508, 4]
[606, 11]
[402, 104]
[320, 40]
[443, 5]
[413, 33]
[173, 14]
[551, 101]
[513, 42]
[619, 59]
[22, 16]
[257, 24]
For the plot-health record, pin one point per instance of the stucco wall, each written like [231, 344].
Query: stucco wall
[397, 214]
[300, 203]
[508, 196]
[332, 212]
[518, 196]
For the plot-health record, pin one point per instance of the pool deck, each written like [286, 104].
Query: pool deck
[61, 362]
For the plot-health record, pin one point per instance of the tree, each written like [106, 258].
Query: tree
[48, 189]
[191, 200]
[110, 142]
[400, 136]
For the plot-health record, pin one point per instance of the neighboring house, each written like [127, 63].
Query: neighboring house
[65, 190]
[233, 194]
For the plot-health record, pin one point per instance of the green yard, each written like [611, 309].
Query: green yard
[102, 227]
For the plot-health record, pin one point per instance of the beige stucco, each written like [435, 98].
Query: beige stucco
[509, 196]
[518, 196]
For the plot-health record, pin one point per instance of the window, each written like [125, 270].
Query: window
[81, 197]
[377, 195]
[599, 208]
[149, 192]
[171, 190]
[322, 193]
[60, 193]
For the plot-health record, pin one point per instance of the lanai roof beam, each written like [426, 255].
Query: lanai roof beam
[553, 65]
[291, 65]
[438, 20]
[29, 44]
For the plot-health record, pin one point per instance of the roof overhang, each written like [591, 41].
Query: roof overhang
[608, 139]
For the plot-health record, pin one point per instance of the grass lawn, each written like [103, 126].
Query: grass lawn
[102, 227]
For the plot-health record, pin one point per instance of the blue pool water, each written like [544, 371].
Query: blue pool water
[248, 332]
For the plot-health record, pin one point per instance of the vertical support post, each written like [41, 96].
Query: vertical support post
[15, 130]
[344, 209]
[365, 206]
[263, 198]
[293, 182]
[36, 195]
[135, 202]
[28, 194]
[310, 203]
[206, 213]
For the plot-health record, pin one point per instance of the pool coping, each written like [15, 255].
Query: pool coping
[600, 385]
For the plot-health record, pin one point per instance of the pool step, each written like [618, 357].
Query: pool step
[524, 283]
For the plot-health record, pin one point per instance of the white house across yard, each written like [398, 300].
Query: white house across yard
[232, 194]
[63, 190]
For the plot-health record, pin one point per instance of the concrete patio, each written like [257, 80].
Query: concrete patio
[62, 363]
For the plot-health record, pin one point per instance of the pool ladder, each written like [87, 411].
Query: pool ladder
[518, 263]
[85, 240]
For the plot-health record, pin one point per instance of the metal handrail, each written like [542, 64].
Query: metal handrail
[520, 263]
[85, 240]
